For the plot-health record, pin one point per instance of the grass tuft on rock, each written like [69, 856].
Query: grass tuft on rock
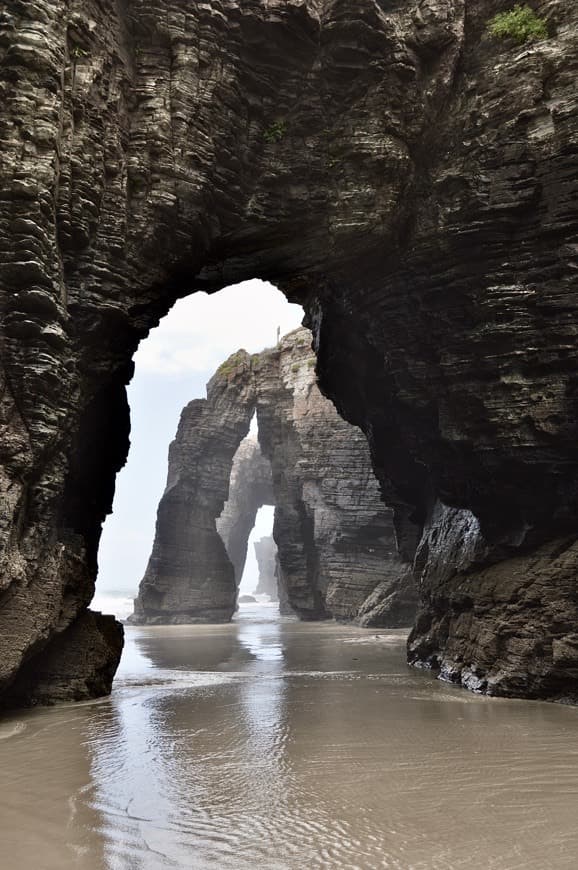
[275, 133]
[520, 23]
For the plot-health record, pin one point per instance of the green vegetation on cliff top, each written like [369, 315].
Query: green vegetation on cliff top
[231, 363]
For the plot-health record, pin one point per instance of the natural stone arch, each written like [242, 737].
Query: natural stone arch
[334, 535]
[163, 147]
[250, 488]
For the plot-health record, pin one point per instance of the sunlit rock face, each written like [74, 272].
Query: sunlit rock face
[407, 178]
[266, 555]
[333, 534]
[250, 487]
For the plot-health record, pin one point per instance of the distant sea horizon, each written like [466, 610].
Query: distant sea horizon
[121, 603]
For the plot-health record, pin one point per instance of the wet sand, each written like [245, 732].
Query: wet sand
[278, 745]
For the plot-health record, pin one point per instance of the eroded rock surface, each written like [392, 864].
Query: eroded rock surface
[334, 535]
[408, 178]
[501, 622]
[76, 665]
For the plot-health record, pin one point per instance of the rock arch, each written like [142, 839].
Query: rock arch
[250, 488]
[378, 162]
[334, 536]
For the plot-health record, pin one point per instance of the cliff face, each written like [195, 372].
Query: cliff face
[492, 619]
[405, 176]
[250, 487]
[334, 535]
[466, 389]
[189, 577]
[266, 555]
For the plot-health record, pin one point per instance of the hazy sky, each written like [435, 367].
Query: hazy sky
[172, 367]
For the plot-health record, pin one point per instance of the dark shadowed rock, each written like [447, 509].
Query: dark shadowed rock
[407, 177]
[485, 621]
[392, 603]
[76, 665]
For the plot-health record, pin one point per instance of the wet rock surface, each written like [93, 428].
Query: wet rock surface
[408, 178]
[502, 626]
[76, 665]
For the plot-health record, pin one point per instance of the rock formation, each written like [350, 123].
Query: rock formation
[266, 555]
[78, 664]
[189, 577]
[407, 177]
[250, 488]
[247, 599]
[334, 535]
[497, 621]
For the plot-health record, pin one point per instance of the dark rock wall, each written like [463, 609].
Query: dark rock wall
[250, 487]
[406, 177]
[469, 363]
[266, 555]
[78, 664]
[495, 619]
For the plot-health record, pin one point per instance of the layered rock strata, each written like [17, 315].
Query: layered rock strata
[189, 577]
[497, 621]
[250, 487]
[266, 555]
[407, 177]
[333, 534]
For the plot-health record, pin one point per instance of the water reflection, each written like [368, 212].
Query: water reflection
[204, 777]
[46, 821]
[273, 745]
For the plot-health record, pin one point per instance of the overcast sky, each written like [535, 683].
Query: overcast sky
[172, 367]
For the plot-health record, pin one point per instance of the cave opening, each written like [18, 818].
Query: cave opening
[325, 475]
[172, 367]
[261, 533]
[259, 573]
[246, 523]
